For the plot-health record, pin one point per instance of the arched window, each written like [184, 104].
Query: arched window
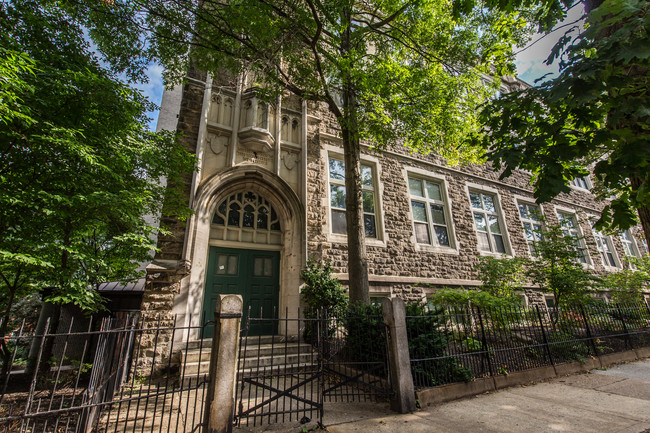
[246, 217]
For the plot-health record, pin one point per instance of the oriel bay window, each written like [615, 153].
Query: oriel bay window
[487, 222]
[430, 213]
[337, 198]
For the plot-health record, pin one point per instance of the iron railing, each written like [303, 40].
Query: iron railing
[328, 356]
[127, 374]
[458, 344]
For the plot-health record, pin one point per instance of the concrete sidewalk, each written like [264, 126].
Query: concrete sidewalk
[612, 400]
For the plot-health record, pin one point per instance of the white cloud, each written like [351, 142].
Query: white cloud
[530, 61]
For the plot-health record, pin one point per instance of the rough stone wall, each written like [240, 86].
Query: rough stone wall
[163, 282]
[398, 258]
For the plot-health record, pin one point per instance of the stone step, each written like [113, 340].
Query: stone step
[254, 363]
[257, 340]
[276, 349]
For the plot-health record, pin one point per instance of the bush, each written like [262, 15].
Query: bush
[627, 285]
[565, 347]
[465, 298]
[428, 340]
[502, 278]
[321, 292]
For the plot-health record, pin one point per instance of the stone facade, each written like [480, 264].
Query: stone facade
[280, 152]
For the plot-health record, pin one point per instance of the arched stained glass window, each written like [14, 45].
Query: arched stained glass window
[246, 217]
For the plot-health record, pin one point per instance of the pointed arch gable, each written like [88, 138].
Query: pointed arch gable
[210, 194]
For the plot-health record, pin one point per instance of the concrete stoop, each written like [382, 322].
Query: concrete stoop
[264, 353]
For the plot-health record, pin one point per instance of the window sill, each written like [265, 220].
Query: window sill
[343, 239]
[497, 255]
[424, 248]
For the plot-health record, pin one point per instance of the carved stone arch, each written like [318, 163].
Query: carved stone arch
[290, 213]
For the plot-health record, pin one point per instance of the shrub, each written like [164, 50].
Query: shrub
[502, 278]
[564, 346]
[627, 285]
[321, 292]
[463, 299]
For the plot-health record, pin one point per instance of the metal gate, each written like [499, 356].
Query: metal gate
[330, 358]
[130, 374]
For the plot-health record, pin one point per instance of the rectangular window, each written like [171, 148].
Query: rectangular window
[570, 228]
[629, 246]
[531, 221]
[430, 212]
[337, 197]
[605, 248]
[487, 222]
[581, 182]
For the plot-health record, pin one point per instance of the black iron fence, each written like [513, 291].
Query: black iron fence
[459, 344]
[123, 374]
[150, 374]
[326, 357]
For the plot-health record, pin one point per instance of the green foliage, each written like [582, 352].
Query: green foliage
[461, 298]
[366, 337]
[80, 169]
[321, 290]
[564, 346]
[426, 339]
[595, 114]
[502, 277]
[393, 73]
[627, 285]
[322, 294]
[557, 268]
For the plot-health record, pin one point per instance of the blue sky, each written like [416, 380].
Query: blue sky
[529, 61]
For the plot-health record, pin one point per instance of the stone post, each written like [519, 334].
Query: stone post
[220, 398]
[399, 361]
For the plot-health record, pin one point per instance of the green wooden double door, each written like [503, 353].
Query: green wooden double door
[250, 273]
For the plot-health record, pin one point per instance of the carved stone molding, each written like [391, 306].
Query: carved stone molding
[218, 143]
[256, 139]
[290, 159]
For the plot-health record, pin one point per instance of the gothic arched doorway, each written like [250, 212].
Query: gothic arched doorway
[244, 257]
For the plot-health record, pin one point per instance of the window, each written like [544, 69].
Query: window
[530, 220]
[337, 198]
[606, 249]
[550, 301]
[629, 246]
[246, 217]
[570, 228]
[430, 213]
[486, 222]
[581, 182]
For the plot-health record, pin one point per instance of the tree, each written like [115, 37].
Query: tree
[594, 114]
[390, 72]
[556, 267]
[79, 169]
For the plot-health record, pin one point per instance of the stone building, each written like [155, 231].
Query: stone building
[268, 193]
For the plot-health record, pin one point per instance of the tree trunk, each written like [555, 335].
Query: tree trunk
[644, 213]
[357, 256]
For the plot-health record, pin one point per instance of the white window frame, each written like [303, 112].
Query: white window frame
[368, 161]
[576, 233]
[520, 201]
[582, 183]
[440, 180]
[630, 246]
[605, 248]
[498, 212]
